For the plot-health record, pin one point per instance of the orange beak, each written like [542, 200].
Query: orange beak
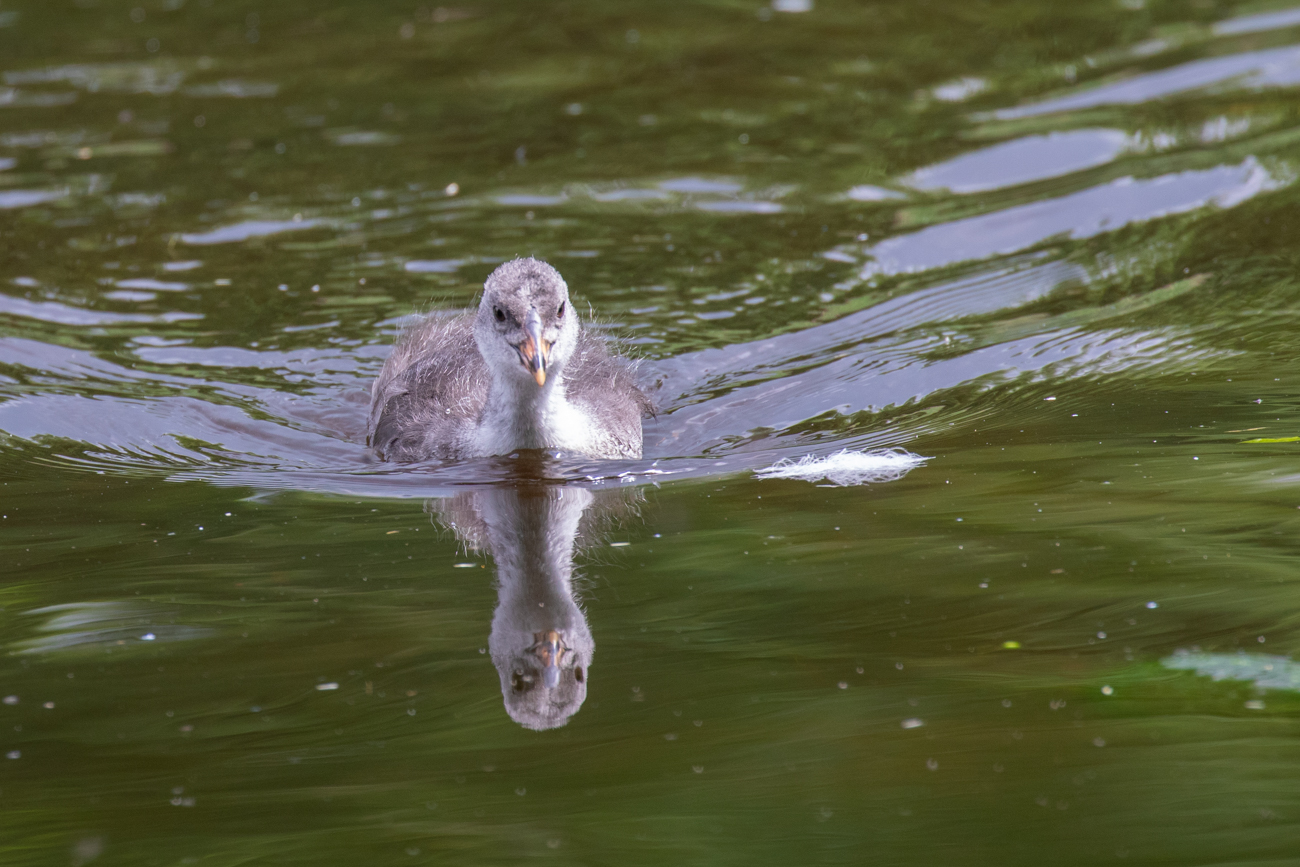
[534, 351]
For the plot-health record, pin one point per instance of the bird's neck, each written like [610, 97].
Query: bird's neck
[521, 415]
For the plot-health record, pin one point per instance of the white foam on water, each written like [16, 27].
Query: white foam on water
[1266, 671]
[847, 467]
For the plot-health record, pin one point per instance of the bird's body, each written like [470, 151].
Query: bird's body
[519, 373]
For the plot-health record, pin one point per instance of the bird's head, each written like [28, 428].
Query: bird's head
[525, 326]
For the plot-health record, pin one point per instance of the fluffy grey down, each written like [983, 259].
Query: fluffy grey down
[437, 396]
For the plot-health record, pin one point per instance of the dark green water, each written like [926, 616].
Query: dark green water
[1050, 248]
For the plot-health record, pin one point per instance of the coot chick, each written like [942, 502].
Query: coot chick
[520, 373]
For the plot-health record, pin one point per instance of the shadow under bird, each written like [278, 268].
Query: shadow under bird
[519, 373]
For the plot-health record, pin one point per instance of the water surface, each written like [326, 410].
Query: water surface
[1042, 254]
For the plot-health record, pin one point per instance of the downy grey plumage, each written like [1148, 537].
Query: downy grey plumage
[520, 373]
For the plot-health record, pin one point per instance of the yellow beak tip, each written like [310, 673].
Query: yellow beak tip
[540, 376]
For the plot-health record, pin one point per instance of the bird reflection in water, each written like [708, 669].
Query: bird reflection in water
[540, 644]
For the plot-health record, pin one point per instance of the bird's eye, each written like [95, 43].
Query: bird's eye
[499, 313]
[560, 312]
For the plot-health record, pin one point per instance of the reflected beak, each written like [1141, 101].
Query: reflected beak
[550, 649]
[535, 351]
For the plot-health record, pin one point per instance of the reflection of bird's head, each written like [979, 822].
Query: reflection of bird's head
[540, 642]
[525, 327]
[545, 683]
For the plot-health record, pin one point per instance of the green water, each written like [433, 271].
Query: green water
[1049, 248]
